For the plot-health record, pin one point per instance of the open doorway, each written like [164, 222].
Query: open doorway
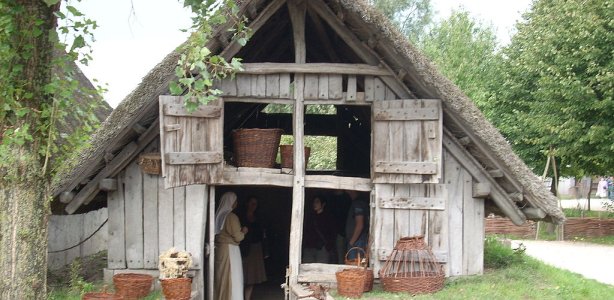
[274, 205]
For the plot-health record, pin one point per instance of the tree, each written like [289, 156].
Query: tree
[411, 16]
[34, 101]
[465, 51]
[557, 84]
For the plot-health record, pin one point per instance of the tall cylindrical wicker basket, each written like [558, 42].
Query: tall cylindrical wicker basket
[412, 268]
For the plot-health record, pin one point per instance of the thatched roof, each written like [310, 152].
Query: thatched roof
[461, 116]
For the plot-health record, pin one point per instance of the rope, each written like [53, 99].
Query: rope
[83, 241]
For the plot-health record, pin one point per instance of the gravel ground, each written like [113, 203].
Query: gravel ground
[590, 260]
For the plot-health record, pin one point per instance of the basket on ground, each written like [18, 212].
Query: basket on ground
[351, 282]
[132, 285]
[287, 156]
[363, 262]
[256, 148]
[177, 288]
[150, 163]
[412, 268]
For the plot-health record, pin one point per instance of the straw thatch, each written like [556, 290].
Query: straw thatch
[422, 78]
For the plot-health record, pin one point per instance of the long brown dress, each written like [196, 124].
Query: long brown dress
[227, 259]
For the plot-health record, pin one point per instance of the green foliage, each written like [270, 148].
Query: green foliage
[411, 16]
[465, 51]
[557, 86]
[77, 284]
[497, 255]
[198, 68]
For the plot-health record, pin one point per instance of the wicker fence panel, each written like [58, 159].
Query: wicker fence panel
[574, 227]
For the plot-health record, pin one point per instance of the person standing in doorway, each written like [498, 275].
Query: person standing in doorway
[357, 224]
[228, 235]
[319, 235]
[252, 247]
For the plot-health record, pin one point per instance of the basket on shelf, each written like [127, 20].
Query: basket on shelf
[362, 262]
[256, 148]
[412, 268]
[177, 288]
[287, 156]
[150, 163]
[132, 285]
[351, 282]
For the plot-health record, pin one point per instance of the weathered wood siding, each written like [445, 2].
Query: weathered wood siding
[401, 210]
[465, 221]
[68, 230]
[146, 219]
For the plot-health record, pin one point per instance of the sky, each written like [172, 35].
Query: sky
[135, 35]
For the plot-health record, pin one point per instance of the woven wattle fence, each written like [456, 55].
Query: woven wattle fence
[574, 227]
[588, 227]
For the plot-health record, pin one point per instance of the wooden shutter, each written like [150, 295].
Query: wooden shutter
[407, 141]
[191, 142]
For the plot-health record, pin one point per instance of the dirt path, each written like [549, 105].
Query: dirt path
[590, 260]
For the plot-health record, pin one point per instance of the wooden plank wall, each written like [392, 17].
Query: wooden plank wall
[465, 221]
[146, 219]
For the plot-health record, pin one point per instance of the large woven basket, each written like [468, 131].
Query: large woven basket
[362, 262]
[150, 163]
[132, 285]
[256, 148]
[287, 156]
[412, 268]
[351, 282]
[177, 288]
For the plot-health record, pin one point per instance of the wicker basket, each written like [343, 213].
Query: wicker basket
[177, 288]
[362, 262]
[256, 148]
[132, 286]
[412, 268]
[351, 282]
[287, 156]
[150, 163]
[101, 296]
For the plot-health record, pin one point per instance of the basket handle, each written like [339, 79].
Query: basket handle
[358, 255]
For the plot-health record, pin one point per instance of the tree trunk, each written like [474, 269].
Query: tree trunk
[24, 201]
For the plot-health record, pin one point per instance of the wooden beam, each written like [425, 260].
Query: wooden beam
[364, 52]
[404, 114]
[233, 177]
[412, 203]
[66, 197]
[338, 183]
[297, 9]
[499, 196]
[129, 152]
[320, 273]
[406, 167]
[210, 247]
[193, 158]
[481, 190]
[323, 36]
[108, 185]
[234, 47]
[497, 173]
[203, 111]
[518, 197]
[464, 140]
[314, 68]
[534, 213]
[138, 128]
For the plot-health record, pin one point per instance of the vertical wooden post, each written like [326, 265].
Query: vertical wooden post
[211, 220]
[297, 10]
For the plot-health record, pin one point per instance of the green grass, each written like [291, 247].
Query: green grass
[581, 213]
[68, 294]
[602, 240]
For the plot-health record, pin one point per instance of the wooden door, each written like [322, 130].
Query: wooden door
[407, 141]
[191, 142]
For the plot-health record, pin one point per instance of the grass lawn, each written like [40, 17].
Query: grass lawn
[527, 280]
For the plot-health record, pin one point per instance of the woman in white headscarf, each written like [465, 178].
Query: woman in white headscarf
[228, 266]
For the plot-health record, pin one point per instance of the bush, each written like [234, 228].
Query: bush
[497, 255]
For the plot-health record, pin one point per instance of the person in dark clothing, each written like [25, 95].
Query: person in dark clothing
[357, 224]
[339, 207]
[252, 248]
[318, 236]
